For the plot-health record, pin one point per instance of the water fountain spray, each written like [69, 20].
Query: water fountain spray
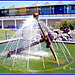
[31, 52]
[48, 38]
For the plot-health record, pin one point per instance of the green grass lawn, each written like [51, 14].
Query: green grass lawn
[68, 70]
[9, 33]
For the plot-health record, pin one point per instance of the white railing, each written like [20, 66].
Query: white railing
[9, 17]
[40, 16]
[58, 15]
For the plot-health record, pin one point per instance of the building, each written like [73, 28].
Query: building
[45, 9]
[14, 16]
[22, 10]
[60, 8]
[71, 7]
[34, 8]
[13, 10]
[4, 11]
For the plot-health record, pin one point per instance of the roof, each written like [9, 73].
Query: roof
[22, 6]
[59, 3]
[14, 6]
[4, 7]
[73, 2]
[34, 5]
[45, 4]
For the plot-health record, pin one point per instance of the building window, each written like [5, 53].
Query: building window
[44, 8]
[2, 11]
[73, 7]
[34, 9]
[5, 11]
[31, 10]
[48, 8]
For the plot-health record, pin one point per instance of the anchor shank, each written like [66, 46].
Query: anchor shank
[46, 37]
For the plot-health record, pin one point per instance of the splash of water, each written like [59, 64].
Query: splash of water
[30, 33]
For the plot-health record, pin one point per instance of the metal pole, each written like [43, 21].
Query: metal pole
[6, 35]
[2, 25]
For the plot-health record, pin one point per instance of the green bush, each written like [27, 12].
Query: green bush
[58, 25]
[65, 23]
[72, 24]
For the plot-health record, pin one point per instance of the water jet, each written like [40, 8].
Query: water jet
[35, 51]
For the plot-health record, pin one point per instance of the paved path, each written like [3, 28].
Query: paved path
[4, 41]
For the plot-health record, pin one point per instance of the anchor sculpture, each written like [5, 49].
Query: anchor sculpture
[47, 38]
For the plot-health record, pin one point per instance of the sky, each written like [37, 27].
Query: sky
[19, 3]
